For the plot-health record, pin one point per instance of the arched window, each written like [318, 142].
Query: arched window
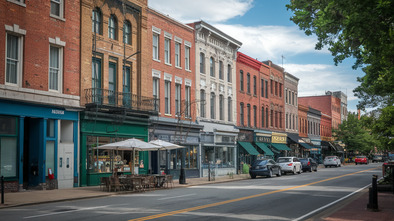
[97, 21]
[212, 67]
[221, 75]
[112, 26]
[228, 73]
[202, 63]
[213, 98]
[221, 107]
[127, 32]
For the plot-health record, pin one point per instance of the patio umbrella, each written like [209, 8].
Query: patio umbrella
[166, 145]
[130, 144]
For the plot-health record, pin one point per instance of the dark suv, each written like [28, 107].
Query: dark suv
[308, 164]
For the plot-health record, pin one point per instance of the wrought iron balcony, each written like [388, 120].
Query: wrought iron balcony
[105, 97]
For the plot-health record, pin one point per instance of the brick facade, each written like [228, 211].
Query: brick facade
[291, 109]
[303, 120]
[174, 32]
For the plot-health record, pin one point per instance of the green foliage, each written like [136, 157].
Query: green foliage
[356, 134]
[383, 128]
[362, 29]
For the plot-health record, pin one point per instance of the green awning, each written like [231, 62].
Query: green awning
[280, 146]
[265, 148]
[307, 146]
[249, 148]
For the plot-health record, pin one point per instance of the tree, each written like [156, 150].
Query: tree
[362, 29]
[353, 133]
[383, 128]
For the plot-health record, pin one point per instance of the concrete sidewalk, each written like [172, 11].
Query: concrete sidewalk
[31, 197]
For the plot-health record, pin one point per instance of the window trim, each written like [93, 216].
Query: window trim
[112, 27]
[187, 57]
[156, 51]
[167, 50]
[61, 10]
[23, 4]
[60, 68]
[129, 39]
[177, 53]
[19, 71]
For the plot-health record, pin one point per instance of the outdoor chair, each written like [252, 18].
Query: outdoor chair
[169, 181]
[114, 184]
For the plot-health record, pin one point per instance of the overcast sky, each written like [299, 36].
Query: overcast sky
[266, 33]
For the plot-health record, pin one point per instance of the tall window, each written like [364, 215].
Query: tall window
[212, 67]
[241, 114]
[248, 113]
[286, 96]
[280, 120]
[156, 92]
[276, 88]
[57, 8]
[155, 44]
[241, 80]
[228, 73]
[167, 51]
[8, 146]
[266, 90]
[292, 98]
[272, 87]
[229, 109]
[221, 107]
[202, 103]
[262, 87]
[96, 80]
[187, 102]
[14, 59]
[213, 99]
[177, 54]
[178, 99]
[248, 83]
[127, 32]
[287, 121]
[254, 116]
[280, 89]
[272, 118]
[96, 21]
[112, 26]
[55, 68]
[167, 97]
[187, 57]
[202, 63]
[111, 82]
[221, 75]
[262, 116]
[266, 117]
[254, 85]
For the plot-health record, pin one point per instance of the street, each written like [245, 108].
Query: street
[289, 197]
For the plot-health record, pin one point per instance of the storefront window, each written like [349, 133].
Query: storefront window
[50, 156]
[8, 146]
[50, 128]
[106, 161]
[223, 157]
[190, 158]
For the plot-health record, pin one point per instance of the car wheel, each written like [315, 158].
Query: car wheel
[326, 166]
[310, 169]
[294, 170]
[253, 176]
[279, 173]
[300, 171]
[270, 175]
[315, 169]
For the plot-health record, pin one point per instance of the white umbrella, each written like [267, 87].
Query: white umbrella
[130, 144]
[166, 145]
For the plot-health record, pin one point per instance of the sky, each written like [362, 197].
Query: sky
[267, 33]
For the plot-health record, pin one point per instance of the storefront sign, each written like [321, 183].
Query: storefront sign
[279, 138]
[316, 143]
[263, 139]
[58, 112]
[307, 140]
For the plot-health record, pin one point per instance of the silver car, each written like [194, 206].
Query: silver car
[330, 161]
[289, 165]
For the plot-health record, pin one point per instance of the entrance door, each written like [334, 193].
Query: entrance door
[65, 165]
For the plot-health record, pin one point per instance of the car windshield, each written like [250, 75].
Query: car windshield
[303, 160]
[330, 158]
[260, 162]
[284, 160]
[361, 157]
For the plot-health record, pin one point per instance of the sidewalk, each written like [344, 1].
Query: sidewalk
[31, 197]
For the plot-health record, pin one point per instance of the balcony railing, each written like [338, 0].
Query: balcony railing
[105, 97]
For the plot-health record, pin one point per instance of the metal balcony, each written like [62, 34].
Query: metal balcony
[113, 99]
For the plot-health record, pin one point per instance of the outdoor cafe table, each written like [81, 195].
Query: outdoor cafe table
[134, 183]
[160, 179]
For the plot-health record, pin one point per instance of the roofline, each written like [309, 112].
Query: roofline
[171, 18]
[218, 32]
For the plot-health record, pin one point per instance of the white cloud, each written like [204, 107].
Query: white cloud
[207, 10]
[316, 79]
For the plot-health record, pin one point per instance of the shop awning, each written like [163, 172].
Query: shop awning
[307, 146]
[265, 148]
[249, 148]
[294, 137]
[280, 146]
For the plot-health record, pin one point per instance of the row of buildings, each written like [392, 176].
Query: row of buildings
[80, 74]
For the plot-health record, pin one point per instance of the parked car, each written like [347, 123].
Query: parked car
[377, 158]
[308, 164]
[330, 161]
[289, 165]
[361, 160]
[264, 167]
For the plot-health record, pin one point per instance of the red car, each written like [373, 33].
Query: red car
[361, 160]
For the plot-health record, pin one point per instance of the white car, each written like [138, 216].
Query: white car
[332, 161]
[289, 165]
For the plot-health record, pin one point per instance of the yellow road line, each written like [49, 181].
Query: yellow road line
[240, 199]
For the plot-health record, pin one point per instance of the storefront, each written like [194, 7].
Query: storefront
[218, 149]
[183, 133]
[35, 142]
[262, 140]
[246, 152]
[293, 142]
[278, 142]
[315, 152]
[98, 129]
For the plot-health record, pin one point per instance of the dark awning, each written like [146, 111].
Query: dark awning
[280, 146]
[265, 148]
[307, 146]
[249, 148]
[294, 137]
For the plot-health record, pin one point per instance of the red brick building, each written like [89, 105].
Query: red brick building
[264, 89]
[249, 92]
[39, 93]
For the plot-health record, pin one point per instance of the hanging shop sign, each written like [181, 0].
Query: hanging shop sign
[279, 138]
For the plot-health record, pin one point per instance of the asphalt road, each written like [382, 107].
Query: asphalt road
[289, 197]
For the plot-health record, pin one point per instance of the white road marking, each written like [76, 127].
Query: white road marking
[172, 197]
[330, 204]
[70, 211]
